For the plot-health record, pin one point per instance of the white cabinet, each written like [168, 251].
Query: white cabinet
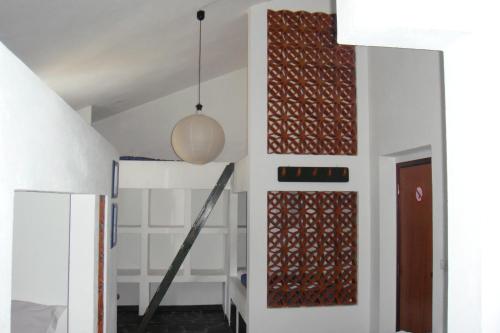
[151, 228]
[153, 221]
[166, 207]
[162, 249]
[129, 254]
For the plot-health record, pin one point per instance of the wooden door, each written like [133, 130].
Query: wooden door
[414, 297]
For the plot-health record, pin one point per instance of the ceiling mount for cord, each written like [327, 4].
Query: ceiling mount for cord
[200, 15]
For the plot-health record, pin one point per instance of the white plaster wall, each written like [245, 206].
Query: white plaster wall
[262, 178]
[41, 248]
[146, 129]
[48, 147]
[410, 24]
[86, 114]
[240, 177]
[83, 265]
[473, 227]
[169, 174]
[40, 254]
[406, 106]
[471, 137]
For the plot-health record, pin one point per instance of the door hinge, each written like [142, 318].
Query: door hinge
[398, 189]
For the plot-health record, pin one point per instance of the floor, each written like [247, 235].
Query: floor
[176, 319]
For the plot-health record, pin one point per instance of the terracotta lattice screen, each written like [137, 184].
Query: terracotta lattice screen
[311, 86]
[312, 248]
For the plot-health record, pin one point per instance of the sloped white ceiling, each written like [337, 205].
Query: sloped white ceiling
[145, 130]
[118, 54]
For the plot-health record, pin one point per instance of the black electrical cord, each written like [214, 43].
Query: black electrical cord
[200, 15]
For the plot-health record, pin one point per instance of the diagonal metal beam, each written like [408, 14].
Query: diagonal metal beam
[186, 246]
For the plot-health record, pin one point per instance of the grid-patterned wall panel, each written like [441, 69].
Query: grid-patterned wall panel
[312, 248]
[311, 86]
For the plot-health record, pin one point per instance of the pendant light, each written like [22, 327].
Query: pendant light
[198, 138]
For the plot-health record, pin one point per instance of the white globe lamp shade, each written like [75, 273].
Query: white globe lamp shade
[198, 139]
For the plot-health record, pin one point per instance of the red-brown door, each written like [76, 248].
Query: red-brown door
[414, 246]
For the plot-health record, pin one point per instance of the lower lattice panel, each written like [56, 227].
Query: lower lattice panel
[312, 248]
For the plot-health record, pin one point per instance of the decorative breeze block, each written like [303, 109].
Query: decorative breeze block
[312, 249]
[311, 86]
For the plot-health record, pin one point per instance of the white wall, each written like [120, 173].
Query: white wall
[396, 23]
[41, 248]
[40, 253]
[146, 129]
[83, 265]
[406, 112]
[262, 178]
[86, 114]
[49, 147]
[471, 135]
[240, 177]
[472, 126]
[166, 174]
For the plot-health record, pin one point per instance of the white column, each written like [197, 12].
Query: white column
[232, 247]
[6, 234]
[144, 281]
[233, 234]
[86, 114]
[82, 305]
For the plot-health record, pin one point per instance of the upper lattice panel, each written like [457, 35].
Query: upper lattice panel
[311, 86]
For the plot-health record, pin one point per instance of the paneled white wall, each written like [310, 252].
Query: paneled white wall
[152, 226]
[155, 214]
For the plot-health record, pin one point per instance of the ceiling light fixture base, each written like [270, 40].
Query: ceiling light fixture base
[200, 15]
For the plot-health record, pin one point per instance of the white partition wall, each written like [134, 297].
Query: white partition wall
[83, 264]
[41, 248]
[46, 147]
[158, 203]
[40, 253]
